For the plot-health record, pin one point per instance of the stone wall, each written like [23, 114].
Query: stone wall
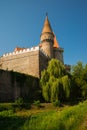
[14, 85]
[29, 61]
[26, 62]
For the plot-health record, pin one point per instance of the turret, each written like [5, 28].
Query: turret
[47, 38]
[57, 50]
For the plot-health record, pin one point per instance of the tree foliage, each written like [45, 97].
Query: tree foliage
[79, 80]
[55, 82]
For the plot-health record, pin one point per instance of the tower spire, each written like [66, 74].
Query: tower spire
[47, 27]
[47, 38]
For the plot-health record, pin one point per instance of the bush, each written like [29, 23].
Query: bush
[37, 103]
[19, 102]
[57, 103]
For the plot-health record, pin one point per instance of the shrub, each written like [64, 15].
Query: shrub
[37, 103]
[19, 102]
[57, 103]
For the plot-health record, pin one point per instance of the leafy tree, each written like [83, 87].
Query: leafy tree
[55, 82]
[66, 85]
[77, 69]
[79, 84]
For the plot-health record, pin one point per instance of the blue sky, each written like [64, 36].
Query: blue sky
[21, 23]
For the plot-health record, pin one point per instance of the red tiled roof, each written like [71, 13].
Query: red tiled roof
[18, 49]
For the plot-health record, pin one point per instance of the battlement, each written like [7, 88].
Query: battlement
[21, 51]
[59, 48]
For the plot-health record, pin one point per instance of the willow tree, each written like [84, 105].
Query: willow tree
[55, 82]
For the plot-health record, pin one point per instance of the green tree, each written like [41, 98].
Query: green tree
[77, 69]
[79, 80]
[55, 82]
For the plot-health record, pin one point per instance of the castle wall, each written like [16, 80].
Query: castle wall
[29, 61]
[6, 91]
[26, 62]
[14, 85]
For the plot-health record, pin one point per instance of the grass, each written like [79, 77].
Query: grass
[9, 121]
[46, 118]
[68, 119]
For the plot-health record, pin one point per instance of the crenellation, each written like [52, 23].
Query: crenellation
[13, 53]
[22, 51]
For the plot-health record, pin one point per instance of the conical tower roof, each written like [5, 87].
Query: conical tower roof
[47, 27]
[56, 44]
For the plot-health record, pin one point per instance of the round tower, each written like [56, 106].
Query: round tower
[47, 38]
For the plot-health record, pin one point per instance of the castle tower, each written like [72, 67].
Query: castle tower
[47, 38]
[57, 51]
